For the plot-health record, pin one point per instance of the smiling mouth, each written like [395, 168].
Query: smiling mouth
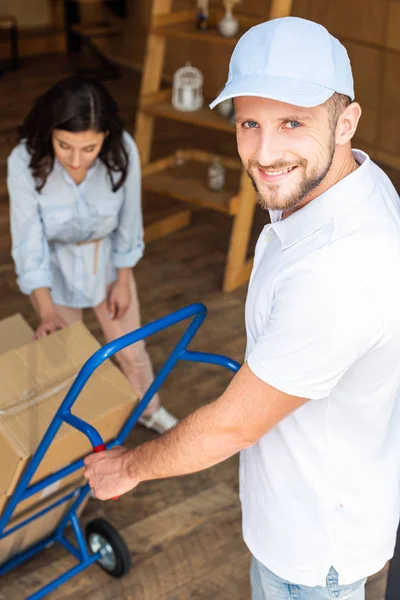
[277, 173]
[275, 176]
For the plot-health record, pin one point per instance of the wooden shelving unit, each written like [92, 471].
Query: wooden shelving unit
[159, 104]
[188, 182]
[237, 200]
[181, 25]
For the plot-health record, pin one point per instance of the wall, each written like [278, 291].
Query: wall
[29, 13]
[370, 31]
[40, 23]
[368, 28]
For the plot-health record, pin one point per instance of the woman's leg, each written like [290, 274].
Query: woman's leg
[134, 360]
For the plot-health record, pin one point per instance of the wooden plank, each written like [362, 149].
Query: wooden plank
[182, 25]
[184, 563]
[229, 581]
[182, 518]
[162, 218]
[155, 98]
[191, 154]
[204, 117]
[157, 166]
[167, 225]
[192, 556]
[187, 31]
[174, 18]
[156, 543]
[207, 157]
[93, 30]
[189, 184]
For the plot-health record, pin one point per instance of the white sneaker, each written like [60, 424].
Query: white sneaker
[159, 421]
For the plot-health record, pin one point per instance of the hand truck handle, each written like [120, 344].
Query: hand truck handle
[99, 448]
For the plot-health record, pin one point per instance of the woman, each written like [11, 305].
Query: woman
[75, 197]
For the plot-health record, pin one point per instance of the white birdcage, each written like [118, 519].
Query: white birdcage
[187, 92]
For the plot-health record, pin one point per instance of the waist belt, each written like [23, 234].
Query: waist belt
[96, 251]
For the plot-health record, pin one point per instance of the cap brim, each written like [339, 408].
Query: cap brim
[282, 89]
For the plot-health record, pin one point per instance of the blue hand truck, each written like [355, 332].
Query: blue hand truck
[101, 543]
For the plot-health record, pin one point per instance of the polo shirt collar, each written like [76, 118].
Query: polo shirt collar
[347, 192]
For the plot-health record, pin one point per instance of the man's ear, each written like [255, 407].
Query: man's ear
[347, 123]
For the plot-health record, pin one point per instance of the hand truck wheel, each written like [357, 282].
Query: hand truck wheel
[102, 537]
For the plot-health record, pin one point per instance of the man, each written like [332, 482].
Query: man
[314, 409]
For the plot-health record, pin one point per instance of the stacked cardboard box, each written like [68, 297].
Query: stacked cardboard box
[34, 379]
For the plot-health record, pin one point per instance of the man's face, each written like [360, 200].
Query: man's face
[287, 150]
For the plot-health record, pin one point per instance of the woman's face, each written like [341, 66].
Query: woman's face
[77, 151]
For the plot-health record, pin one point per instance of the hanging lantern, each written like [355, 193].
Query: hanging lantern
[187, 91]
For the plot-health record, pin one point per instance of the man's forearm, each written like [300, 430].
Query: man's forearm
[200, 441]
[246, 411]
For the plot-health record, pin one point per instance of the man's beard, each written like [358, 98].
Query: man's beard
[274, 200]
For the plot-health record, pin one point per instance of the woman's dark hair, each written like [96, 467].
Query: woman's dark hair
[74, 104]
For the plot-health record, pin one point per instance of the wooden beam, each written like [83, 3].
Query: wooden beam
[161, 7]
[173, 18]
[243, 276]
[280, 8]
[151, 80]
[56, 9]
[163, 227]
[241, 229]
[157, 165]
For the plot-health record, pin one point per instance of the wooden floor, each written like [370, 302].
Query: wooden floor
[184, 533]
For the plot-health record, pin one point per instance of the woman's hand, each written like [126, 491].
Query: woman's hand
[50, 323]
[119, 299]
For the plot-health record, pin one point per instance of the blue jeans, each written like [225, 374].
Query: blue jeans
[267, 586]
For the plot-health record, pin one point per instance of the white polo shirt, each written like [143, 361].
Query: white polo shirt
[322, 488]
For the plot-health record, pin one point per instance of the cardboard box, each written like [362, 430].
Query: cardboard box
[75, 479]
[14, 333]
[34, 379]
[37, 530]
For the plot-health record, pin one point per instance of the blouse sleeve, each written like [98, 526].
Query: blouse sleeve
[128, 244]
[30, 249]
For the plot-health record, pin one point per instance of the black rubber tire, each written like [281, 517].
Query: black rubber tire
[117, 543]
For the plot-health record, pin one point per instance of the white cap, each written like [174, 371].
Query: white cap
[291, 60]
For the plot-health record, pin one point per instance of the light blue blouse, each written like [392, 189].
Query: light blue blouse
[46, 227]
